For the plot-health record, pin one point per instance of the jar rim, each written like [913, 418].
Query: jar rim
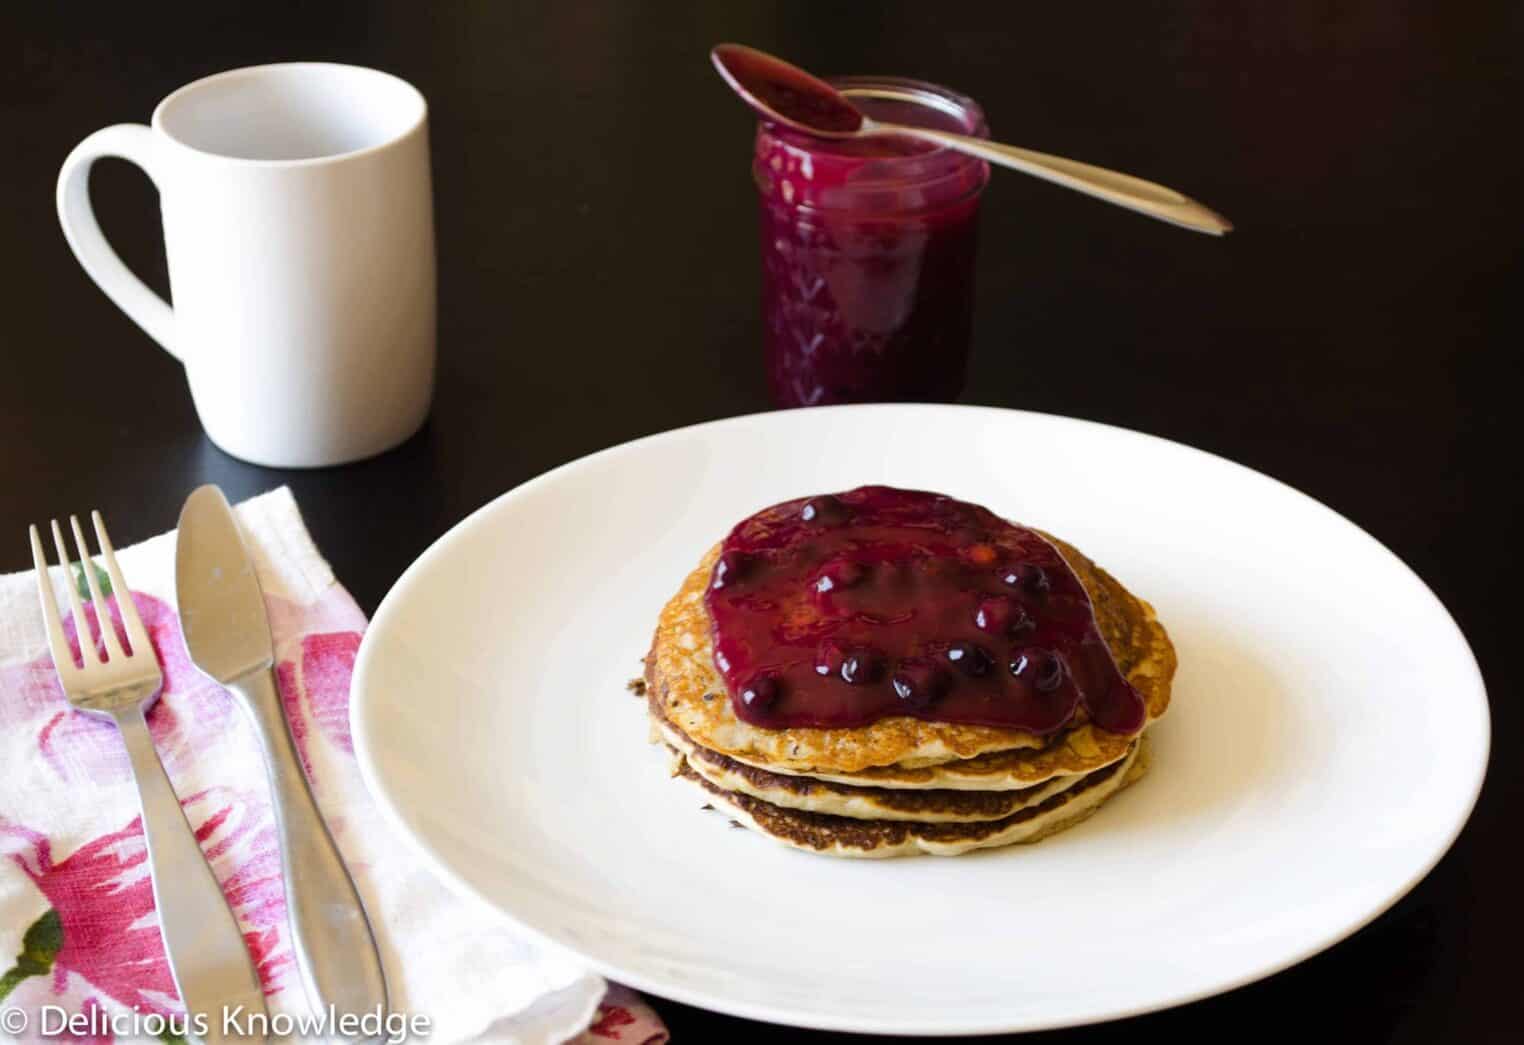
[921, 170]
[918, 92]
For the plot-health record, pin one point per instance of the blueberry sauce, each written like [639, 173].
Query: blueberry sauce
[837, 611]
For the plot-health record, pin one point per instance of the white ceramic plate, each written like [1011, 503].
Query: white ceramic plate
[1326, 741]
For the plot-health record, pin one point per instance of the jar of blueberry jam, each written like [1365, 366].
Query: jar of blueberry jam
[868, 251]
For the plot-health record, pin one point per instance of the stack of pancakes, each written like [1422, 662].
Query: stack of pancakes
[901, 785]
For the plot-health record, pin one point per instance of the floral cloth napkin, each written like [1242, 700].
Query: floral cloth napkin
[77, 928]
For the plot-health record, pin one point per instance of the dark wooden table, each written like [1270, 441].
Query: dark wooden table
[1357, 337]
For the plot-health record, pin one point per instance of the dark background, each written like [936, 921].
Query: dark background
[1357, 336]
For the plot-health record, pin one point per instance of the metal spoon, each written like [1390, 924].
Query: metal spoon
[788, 95]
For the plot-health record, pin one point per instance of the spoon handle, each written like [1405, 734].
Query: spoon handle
[1124, 190]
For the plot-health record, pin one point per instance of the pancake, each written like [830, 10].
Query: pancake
[861, 803]
[1074, 753]
[686, 690]
[845, 836]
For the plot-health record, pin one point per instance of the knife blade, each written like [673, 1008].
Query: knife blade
[222, 610]
[227, 635]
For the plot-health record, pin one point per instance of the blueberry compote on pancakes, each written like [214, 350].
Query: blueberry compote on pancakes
[840, 610]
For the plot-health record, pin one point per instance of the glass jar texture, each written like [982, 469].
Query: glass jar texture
[868, 252]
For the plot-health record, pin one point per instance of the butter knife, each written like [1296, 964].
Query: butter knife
[227, 633]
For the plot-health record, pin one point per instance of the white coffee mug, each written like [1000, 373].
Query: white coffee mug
[299, 228]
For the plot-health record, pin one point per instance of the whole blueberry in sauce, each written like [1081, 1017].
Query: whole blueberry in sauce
[838, 574]
[760, 693]
[730, 568]
[1042, 670]
[861, 667]
[968, 658]
[1050, 673]
[917, 683]
[1000, 615]
[879, 602]
[1027, 577]
[824, 511]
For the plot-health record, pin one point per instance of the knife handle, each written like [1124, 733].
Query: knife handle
[335, 948]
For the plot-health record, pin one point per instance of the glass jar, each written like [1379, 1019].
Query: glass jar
[868, 251]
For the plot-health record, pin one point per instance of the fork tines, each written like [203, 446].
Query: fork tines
[63, 657]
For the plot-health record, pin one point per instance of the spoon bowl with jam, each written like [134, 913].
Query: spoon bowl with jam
[790, 96]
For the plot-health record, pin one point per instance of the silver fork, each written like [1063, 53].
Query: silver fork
[211, 967]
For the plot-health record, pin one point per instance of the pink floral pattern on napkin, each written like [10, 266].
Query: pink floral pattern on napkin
[87, 751]
[623, 1016]
[96, 944]
[314, 685]
[102, 900]
[101, 895]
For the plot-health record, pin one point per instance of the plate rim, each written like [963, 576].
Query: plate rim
[392, 814]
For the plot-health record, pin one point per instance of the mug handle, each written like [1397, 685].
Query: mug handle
[127, 141]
